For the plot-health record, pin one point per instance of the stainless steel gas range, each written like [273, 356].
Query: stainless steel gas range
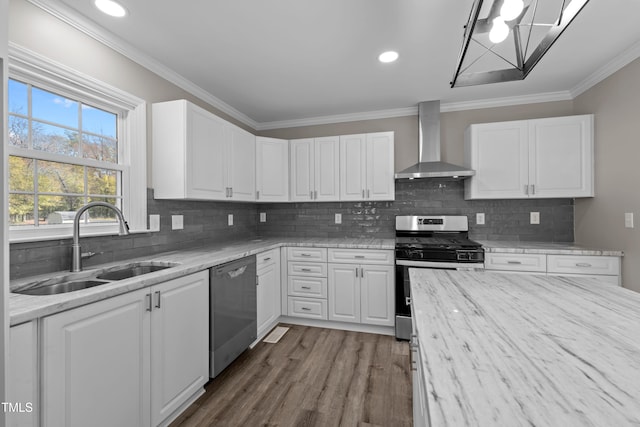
[429, 242]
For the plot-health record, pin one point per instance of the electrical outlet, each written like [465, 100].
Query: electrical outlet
[230, 219]
[263, 217]
[534, 218]
[480, 218]
[628, 219]
[177, 222]
[338, 218]
[154, 222]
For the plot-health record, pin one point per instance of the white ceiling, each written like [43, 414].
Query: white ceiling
[282, 62]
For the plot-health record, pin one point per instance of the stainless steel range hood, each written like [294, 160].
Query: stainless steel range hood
[430, 165]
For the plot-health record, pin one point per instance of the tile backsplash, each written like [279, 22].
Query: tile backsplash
[206, 222]
[504, 219]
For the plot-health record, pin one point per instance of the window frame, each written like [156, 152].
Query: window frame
[42, 72]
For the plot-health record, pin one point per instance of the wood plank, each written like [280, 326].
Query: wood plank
[311, 377]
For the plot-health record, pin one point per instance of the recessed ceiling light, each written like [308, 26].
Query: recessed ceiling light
[388, 56]
[111, 8]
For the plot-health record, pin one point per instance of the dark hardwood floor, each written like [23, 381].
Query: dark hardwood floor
[312, 377]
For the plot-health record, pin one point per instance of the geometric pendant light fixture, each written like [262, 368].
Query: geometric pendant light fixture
[504, 39]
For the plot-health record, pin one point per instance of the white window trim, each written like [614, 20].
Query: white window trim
[48, 74]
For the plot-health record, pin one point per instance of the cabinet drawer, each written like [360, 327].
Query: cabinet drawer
[308, 307]
[361, 256]
[267, 258]
[607, 265]
[515, 262]
[311, 287]
[307, 254]
[316, 269]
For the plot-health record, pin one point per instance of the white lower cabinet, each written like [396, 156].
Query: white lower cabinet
[268, 292]
[134, 359]
[305, 283]
[22, 377]
[361, 293]
[604, 268]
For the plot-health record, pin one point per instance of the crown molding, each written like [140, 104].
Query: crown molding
[506, 101]
[626, 57]
[81, 23]
[340, 118]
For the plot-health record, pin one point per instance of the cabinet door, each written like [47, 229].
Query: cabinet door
[353, 167]
[498, 152]
[268, 296]
[206, 168]
[22, 377]
[380, 167]
[95, 369]
[344, 293]
[377, 295]
[179, 343]
[561, 157]
[242, 164]
[327, 169]
[272, 170]
[301, 169]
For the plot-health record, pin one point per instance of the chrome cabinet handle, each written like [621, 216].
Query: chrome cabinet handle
[514, 262]
[363, 194]
[583, 264]
[533, 189]
[526, 189]
[311, 194]
[306, 287]
[359, 256]
[157, 300]
[305, 308]
[368, 194]
[148, 298]
[361, 272]
[356, 271]
[315, 194]
[258, 195]
[231, 190]
[306, 269]
[305, 254]
[266, 259]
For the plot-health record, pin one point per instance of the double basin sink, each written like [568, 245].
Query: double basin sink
[72, 282]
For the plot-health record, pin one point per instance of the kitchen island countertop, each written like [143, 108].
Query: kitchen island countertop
[23, 308]
[523, 350]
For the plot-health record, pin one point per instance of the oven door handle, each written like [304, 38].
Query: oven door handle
[441, 265]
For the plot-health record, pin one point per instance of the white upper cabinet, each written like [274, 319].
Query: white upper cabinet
[197, 155]
[561, 156]
[367, 166]
[542, 158]
[272, 169]
[315, 174]
[241, 164]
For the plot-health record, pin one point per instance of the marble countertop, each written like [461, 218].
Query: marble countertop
[23, 308]
[544, 248]
[523, 350]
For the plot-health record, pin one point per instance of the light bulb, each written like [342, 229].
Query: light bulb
[511, 9]
[388, 56]
[111, 8]
[499, 31]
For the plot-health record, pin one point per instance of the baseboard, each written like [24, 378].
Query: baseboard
[330, 324]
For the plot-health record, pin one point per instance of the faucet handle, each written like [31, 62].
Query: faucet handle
[87, 254]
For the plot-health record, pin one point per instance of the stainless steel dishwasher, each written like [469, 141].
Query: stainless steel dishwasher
[233, 312]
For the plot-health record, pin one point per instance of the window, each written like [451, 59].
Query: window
[72, 141]
[46, 128]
